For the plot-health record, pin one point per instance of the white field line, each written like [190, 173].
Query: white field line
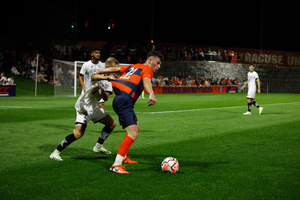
[26, 107]
[159, 112]
[201, 109]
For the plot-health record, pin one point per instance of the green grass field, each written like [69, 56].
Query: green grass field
[222, 154]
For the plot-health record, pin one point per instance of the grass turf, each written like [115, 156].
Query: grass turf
[222, 154]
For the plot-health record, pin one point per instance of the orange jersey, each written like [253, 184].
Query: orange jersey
[131, 81]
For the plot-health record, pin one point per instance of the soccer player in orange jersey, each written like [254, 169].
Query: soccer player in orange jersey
[128, 87]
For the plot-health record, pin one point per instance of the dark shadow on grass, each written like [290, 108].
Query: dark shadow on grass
[272, 113]
[99, 157]
[58, 126]
[141, 131]
[75, 153]
[154, 163]
[47, 147]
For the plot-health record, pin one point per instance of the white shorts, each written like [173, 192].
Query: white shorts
[251, 93]
[96, 116]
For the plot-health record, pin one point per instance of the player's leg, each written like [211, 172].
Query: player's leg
[123, 106]
[131, 135]
[249, 102]
[80, 126]
[257, 106]
[110, 124]
[250, 97]
[78, 133]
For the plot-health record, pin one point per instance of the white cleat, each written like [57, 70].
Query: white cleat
[260, 109]
[247, 113]
[101, 150]
[56, 156]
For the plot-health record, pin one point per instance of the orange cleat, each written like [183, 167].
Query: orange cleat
[127, 160]
[118, 169]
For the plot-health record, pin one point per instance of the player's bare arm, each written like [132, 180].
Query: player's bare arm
[258, 86]
[148, 88]
[102, 77]
[109, 70]
[244, 85]
[82, 82]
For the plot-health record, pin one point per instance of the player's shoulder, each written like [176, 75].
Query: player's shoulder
[101, 64]
[143, 66]
[255, 73]
[87, 64]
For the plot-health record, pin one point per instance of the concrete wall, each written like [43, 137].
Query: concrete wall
[272, 78]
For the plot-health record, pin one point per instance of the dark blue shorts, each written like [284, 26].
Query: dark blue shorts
[123, 106]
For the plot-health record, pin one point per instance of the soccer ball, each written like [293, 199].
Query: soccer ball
[170, 165]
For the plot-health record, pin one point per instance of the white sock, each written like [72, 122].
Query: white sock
[56, 151]
[98, 145]
[118, 160]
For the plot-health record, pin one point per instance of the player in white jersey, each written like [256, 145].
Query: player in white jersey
[88, 108]
[89, 68]
[251, 82]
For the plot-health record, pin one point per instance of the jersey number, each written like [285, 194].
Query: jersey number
[128, 74]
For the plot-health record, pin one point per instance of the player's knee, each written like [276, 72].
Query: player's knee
[79, 132]
[135, 133]
[78, 135]
[114, 124]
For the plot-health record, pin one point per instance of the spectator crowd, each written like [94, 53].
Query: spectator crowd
[24, 63]
[181, 80]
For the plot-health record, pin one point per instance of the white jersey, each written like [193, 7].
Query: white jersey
[252, 77]
[88, 69]
[88, 101]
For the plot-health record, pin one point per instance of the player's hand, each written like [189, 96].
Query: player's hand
[258, 91]
[100, 89]
[112, 77]
[152, 100]
[84, 89]
[243, 87]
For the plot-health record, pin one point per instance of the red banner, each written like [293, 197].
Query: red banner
[194, 90]
[241, 55]
[279, 58]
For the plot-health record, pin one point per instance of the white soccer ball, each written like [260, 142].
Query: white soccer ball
[170, 165]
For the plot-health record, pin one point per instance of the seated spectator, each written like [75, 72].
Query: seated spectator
[10, 81]
[223, 82]
[235, 82]
[206, 82]
[2, 79]
[176, 80]
[14, 70]
[166, 80]
[228, 82]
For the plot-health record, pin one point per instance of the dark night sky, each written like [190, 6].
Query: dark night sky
[226, 24]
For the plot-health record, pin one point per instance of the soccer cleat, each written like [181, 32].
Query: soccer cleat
[56, 156]
[101, 150]
[127, 160]
[247, 113]
[118, 169]
[260, 109]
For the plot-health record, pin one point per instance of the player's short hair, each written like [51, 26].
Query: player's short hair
[110, 61]
[251, 64]
[155, 54]
[96, 49]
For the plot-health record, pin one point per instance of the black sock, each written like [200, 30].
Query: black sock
[66, 142]
[249, 107]
[255, 104]
[104, 134]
